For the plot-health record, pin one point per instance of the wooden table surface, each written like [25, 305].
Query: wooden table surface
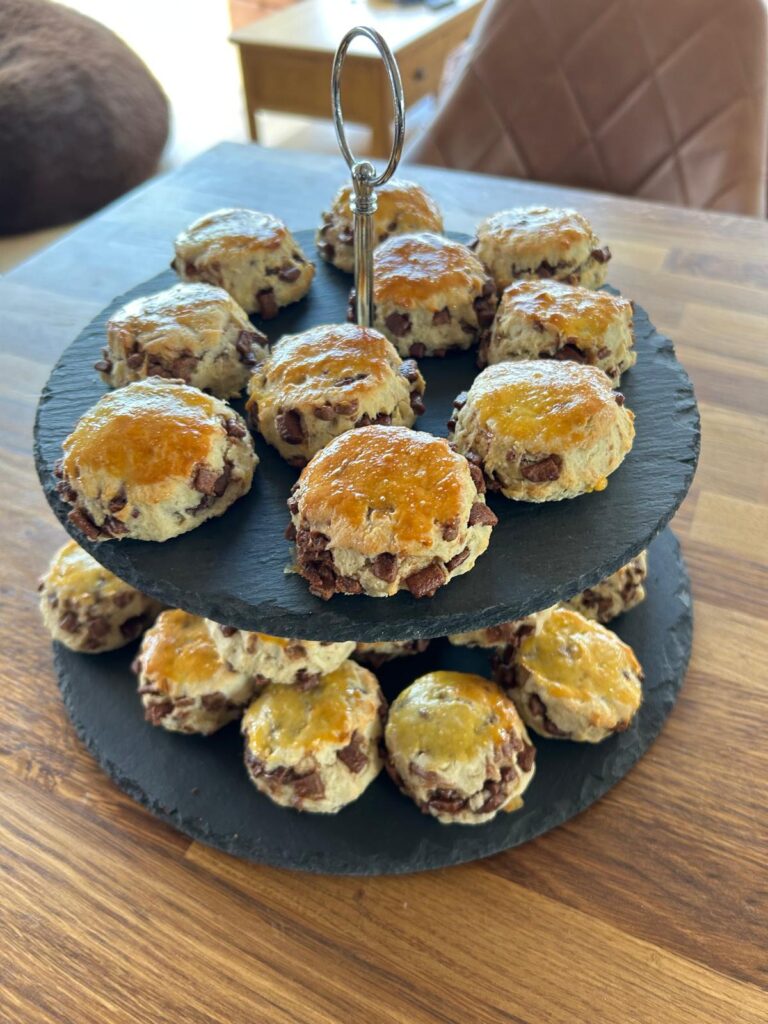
[649, 907]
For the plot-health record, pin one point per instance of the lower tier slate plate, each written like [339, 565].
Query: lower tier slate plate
[200, 786]
[232, 569]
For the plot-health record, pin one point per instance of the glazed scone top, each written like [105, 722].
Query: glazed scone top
[531, 233]
[386, 481]
[568, 309]
[73, 572]
[288, 722]
[145, 434]
[397, 199]
[330, 362]
[578, 659]
[450, 716]
[225, 232]
[196, 307]
[411, 269]
[179, 656]
[541, 403]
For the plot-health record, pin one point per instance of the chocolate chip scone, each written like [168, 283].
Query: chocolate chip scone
[191, 332]
[402, 207]
[383, 509]
[455, 744]
[430, 295]
[317, 749]
[183, 683]
[329, 379]
[250, 254]
[543, 430]
[616, 594]
[536, 241]
[154, 459]
[87, 608]
[572, 679]
[276, 659]
[378, 654]
[503, 635]
[552, 320]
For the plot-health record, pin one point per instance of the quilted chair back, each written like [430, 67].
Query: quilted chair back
[663, 99]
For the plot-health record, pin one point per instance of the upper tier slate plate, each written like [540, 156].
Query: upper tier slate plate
[232, 569]
[199, 785]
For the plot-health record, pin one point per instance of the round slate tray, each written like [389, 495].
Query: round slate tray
[232, 569]
[200, 786]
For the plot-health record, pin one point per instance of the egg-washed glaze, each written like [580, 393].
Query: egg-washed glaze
[410, 269]
[450, 716]
[568, 309]
[193, 306]
[526, 231]
[407, 477]
[327, 362]
[542, 404]
[396, 199]
[75, 570]
[222, 232]
[178, 654]
[144, 433]
[577, 659]
[305, 720]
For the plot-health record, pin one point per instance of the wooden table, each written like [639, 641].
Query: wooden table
[650, 908]
[286, 58]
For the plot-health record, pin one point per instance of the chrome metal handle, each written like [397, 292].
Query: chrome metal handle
[365, 180]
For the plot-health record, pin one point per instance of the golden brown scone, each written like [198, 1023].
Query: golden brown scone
[382, 509]
[455, 744]
[536, 241]
[572, 678]
[616, 594]
[430, 295]
[316, 749]
[154, 459]
[276, 659]
[87, 608]
[377, 654]
[250, 254]
[403, 207]
[327, 380]
[183, 683]
[543, 430]
[552, 320]
[191, 332]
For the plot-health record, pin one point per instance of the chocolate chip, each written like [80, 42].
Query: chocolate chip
[244, 346]
[426, 582]
[222, 481]
[603, 353]
[323, 412]
[478, 478]
[66, 493]
[485, 310]
[601, 255]
[114, 527]
[346, 408]
[205, 480]
[327, 251]
[353, 755]
[290, 532]
[289, 273]
[456, 561]
[418, 350]
[481, 515]
[234, 429]
[118, 503]
[103, 365]
[417, 403]
[289, 426]
[80, 518]
[526, 757]
[398, 324]
[268, 307]
[155, 713]
[309, 787]
[135, 360]
[442, 316]
[123, 599]
[544, 469]
[451, 530]
[214, 701]
[227, 630]
[69, 622]
[410, 370]
[384, 567]
[570, 352]
[619, 398]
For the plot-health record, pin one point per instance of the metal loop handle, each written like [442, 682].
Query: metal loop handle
[393, 73]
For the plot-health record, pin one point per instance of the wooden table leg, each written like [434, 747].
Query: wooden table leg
[251, 100]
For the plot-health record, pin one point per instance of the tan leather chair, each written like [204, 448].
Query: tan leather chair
[664, 99]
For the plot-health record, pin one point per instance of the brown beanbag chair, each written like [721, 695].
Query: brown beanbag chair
[81, 118]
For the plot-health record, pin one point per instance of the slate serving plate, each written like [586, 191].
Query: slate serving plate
[200, 786]
[232, 569]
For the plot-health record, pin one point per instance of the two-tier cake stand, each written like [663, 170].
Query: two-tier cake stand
[233, 570]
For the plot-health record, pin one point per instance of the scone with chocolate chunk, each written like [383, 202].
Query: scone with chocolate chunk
[536, 241]
[552, 320]
[572, 678]
[543, 430]
[430, 295]
[505, 634]
[316, 749]
[154, 459]
[183, 683]
[377, 654]
[191, 332]
[382, 509]
[402, 207]
[616, 594]
[87, 608]
[455, 744]
[329, 379]
[250, 254]
[276, 659]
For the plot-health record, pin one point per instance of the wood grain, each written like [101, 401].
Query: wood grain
[650, 907]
